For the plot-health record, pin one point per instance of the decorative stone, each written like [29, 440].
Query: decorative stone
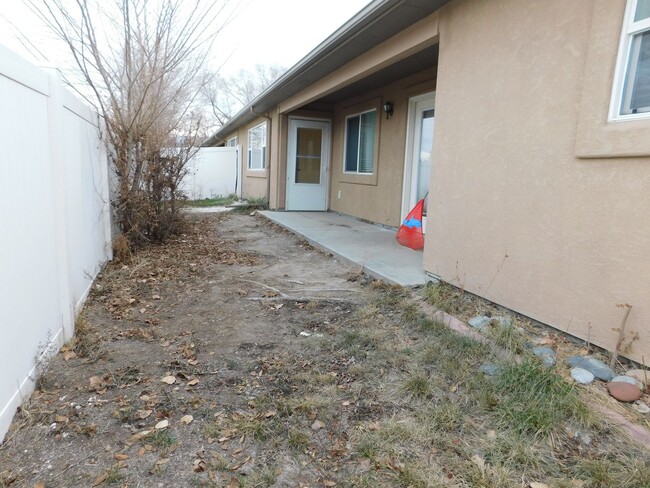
[490, 369]
[547, 354]
[623, 392]
[582, 376]
[480, 322]
[628, 379]
[503, 321]
[596, 367]
[639, 374]
[641, 407]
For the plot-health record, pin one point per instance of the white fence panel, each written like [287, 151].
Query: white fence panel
[213, 172]
[54, 226]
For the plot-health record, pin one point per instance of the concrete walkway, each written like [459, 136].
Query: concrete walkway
[372, 247]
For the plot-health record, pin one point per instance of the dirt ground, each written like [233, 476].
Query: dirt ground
[238, 355]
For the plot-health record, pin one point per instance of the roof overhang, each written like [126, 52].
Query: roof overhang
[374, 24]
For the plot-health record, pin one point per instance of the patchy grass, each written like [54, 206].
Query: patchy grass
[212, 202]
[533, 399]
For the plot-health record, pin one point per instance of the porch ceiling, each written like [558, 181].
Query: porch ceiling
[425, 59]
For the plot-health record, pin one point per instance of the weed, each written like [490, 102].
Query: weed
[297, 439]
[114, 476]
[442, 417]
[263, 479]
[87, 341]
[160, 439]
[218, 462]
[444, 297]
[508, 336]
[535, 400]
[417, 386]
[367, 448]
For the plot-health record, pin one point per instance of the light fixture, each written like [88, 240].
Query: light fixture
[388, 109]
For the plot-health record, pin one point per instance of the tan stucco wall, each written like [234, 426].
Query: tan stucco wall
[376, 197]
[254, 183]
[514, 215]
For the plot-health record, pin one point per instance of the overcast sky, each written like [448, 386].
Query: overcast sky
[263, 32]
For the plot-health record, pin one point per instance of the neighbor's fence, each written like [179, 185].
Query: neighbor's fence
[54, 220]
[213, 172]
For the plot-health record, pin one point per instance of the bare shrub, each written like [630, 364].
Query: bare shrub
[141, 64]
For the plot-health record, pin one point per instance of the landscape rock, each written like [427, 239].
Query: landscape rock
[639, 374]
[596, 367]
[641, 407]
[547, 354]
[623, 392]
[630, 380]
[582, 376]
[490, 369]
[503, 321]
[480, 322]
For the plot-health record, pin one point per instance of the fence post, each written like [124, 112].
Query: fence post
[55, 123]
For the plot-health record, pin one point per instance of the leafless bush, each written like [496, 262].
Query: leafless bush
[141, 63]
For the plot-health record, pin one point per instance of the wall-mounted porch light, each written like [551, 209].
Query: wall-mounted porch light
[388, 109]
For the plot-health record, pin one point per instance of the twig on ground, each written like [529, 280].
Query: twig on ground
[268, 288]
[300, 299]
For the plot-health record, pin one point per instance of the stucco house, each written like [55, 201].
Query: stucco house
[537, 169]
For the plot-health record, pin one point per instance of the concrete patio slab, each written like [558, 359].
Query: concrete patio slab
[372, 247]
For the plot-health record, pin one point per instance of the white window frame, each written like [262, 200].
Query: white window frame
[232, 142]
[262, 147]
[345, 145]
[630, 30]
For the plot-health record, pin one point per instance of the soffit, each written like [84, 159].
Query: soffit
[373, 25]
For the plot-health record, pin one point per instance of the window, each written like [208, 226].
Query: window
[257, 147]
[632, 85]
[360, 136]
[232, 142]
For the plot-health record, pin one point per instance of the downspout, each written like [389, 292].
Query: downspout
[268, 146]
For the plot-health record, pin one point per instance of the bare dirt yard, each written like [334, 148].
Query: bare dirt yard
[239, 356]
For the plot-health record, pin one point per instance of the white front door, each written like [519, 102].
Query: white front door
[419, 148]
[308, 164]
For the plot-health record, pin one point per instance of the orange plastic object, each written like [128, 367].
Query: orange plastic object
[410, 233]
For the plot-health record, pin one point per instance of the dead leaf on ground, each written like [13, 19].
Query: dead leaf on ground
[100, 479]
[535, 484]
[143, 414]
[329, 483]
[95, 382]
[67, 355]
[121, 457]
[170, 380]
[193, 382]
[317, 425]
[187, 419]
[234, 483]
[163, 424]
[40, 484]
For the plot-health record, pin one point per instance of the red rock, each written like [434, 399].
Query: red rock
[624, 392]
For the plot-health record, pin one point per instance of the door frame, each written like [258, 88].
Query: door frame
[413, 138]
[326, 151]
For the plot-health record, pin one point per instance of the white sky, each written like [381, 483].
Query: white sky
[264, 32]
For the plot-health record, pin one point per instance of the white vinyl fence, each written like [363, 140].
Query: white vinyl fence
[213, 172]
[54, 220]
